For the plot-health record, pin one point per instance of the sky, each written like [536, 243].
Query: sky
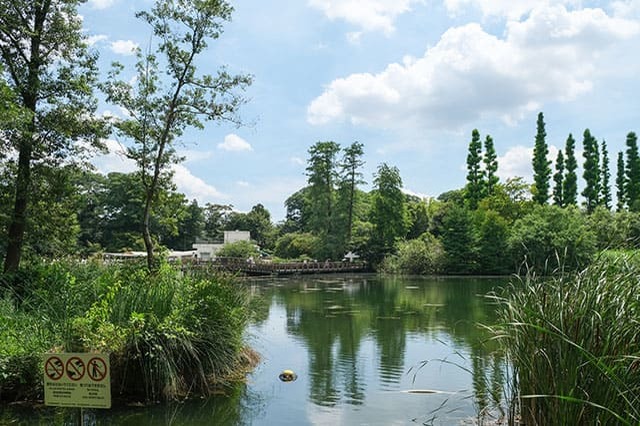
[410, 79]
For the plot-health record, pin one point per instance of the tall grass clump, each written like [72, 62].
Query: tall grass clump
[573, 341]
[169, 334]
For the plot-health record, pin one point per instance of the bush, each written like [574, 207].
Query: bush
[574, 344]
[239, 249]
[296, 245]
[422, 256]
[168, 333]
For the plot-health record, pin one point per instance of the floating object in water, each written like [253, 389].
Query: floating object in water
[412, 287]
[426, 391]
[288, 376]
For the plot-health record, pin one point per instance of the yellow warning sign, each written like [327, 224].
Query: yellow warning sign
[77, 380]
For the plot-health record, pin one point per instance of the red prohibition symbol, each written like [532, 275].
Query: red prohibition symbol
[75, 368]
[54, 368]
[97, 369]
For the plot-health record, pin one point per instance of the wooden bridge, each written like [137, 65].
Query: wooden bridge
[261, 267]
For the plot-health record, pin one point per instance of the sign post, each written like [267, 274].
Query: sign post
[77, 380]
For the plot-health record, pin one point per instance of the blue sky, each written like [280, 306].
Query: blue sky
[410, 79]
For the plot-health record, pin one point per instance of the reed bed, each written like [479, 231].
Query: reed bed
[573, 341]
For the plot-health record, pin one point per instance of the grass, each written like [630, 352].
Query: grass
[573, 341]
[169, 335]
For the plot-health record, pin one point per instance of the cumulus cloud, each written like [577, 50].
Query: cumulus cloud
[193, 187]
[297, 161]
[233, 142]
[517, 162]
[115, 160]
[511, 9]
[469, 73]
[124, 47]
[92, 40]
[626, 8]
[368, 15]
[101, 4]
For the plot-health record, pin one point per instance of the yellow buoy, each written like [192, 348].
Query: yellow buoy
[288, 376]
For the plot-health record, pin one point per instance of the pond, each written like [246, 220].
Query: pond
[367, 350]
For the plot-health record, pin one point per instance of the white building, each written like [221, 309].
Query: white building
[207, 251]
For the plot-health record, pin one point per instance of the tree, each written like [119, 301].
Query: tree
[159, 114]
[591, 171]
[490, 166]
[558, 179]
[322, 177]
[215, 220]
[474, 190]
[605, 177]
[632, 173]
[350, 178]
[570, 184]
[259, 226]
[541, 169]
[50, 74]
[621, 183]
[389, 216]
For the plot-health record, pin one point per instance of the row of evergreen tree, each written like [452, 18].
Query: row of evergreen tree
[563, 191]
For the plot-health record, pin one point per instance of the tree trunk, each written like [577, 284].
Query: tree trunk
[19, 219]
[146, 233]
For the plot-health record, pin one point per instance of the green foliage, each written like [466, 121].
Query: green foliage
[459, 240]
[632, 173]
[240, 249]
[474, 190]
[490, 160]
[550, 237]
[558, 179]
[591, 172]
[570, 184]
[297, 245]
[573, 342]
[168, 334]
[388, 214]
[541, 169]
[421, 256]
[621, 183]
[493, 248]
[605, 177]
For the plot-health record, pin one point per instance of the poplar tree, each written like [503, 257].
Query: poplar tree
[632, 173]
[591, 171]
[570, 184]
[490, 166]
[50, 75]
[558, 179]
[169, 95]
[541, 169]
[322, 178]
[350, 178]
[605, 177]
[621, 183]
[475, 182]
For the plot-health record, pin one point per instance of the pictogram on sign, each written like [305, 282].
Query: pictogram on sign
[54, 368]
[97, 369]
[75, 368]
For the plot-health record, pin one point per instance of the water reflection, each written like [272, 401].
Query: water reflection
[357, 343]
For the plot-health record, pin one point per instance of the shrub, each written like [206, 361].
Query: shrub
[422, 256]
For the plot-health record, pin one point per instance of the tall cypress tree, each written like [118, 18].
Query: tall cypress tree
[475, 182]
[490, 166]
[558, 179]
[570, 184]
[541, 169]
[591, 171]
[632, 189]
[621, 183]
[605, 177]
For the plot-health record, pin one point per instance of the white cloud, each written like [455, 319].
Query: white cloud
[517, 162]
[233, 142]
[115, 160]
[243, 183]
[550, 56]
[510, 9]
[124, 47]
[368, 15]
[92, 40]
[297, 161]
[193, 156]
[626, 8]
[194, 187]
[101, 4]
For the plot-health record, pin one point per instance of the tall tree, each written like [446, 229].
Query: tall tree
[632, 173]
[160, 113]
[490, 160]
[558, 179]
[541, 169]
[570, 184]
[350, 178]
[475, 182]
[605, 178]
[321, 177]
[621, 183]
[388, 216]
[591, 171]
[51, 74]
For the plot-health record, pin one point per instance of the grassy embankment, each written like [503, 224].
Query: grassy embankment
[573, 341]
[169, 335]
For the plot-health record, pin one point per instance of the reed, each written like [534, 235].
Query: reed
[573, 341]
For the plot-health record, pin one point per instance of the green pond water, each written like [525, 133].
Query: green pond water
[367, 350]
